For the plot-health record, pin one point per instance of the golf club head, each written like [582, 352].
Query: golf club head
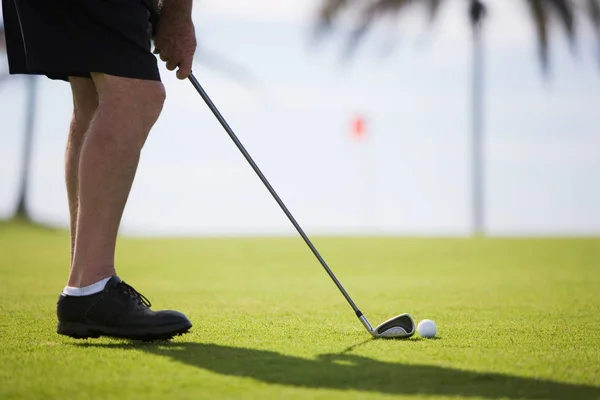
[399, 327]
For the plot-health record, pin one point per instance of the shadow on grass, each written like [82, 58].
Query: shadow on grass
[351, 372]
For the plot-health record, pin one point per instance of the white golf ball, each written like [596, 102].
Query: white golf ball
[427, 328]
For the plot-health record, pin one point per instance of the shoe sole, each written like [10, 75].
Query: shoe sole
[78, 330]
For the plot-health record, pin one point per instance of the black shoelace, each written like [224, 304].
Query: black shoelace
[135, 294]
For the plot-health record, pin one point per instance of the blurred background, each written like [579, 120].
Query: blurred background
[384, 117]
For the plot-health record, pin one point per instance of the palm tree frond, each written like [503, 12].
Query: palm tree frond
[359, 32]
[383, 6]
[565, 11]
[328, 12]
[368, 15]
[540, 20]
[393, 8]
[433, 8]
[593, 9]
[230, 69]
[476, 12]
[543, 13]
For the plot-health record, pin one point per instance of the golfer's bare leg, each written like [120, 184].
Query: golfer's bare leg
[127, 110]
[85, 102]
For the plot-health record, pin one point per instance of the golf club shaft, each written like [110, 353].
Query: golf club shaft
[264, 180]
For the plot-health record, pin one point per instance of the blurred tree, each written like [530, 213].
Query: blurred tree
[22, 211]
[3, 73]
[30, 116]
[2, 37]
[541, 11]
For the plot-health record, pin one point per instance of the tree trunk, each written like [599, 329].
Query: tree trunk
[477, 135]
[22, 211]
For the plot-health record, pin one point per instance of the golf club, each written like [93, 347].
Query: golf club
[401, 326]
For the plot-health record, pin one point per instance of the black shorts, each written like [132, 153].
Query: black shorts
[62, 38]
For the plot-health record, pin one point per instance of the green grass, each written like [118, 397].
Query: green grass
[517, 318]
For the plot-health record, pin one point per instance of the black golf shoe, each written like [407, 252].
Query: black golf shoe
[117, 311]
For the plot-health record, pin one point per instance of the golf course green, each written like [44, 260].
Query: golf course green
[517, 318]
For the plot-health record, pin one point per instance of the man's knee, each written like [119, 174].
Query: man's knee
[85, 102]
[140, 100]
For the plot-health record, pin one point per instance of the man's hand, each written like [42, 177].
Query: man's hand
[175, 39]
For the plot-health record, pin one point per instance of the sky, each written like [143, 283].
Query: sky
[411, 175]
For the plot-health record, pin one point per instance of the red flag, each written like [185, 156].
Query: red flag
[358, 127]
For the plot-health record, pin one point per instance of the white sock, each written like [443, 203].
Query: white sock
[86, 290]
